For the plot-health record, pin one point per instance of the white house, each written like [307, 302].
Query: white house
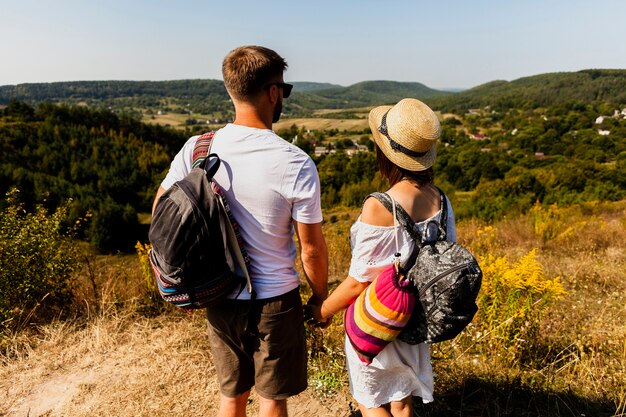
[320, 150]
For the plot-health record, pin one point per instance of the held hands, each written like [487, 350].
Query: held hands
[313, 314]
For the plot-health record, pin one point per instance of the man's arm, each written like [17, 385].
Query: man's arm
[314, 256]
[160, 191]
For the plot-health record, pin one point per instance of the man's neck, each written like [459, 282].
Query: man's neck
[251, 122]
[251, 117]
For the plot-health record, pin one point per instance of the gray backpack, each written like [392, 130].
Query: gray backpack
[446, 277]
[196, 247]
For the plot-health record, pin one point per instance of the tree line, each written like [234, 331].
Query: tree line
[210, 97]
[492, 163]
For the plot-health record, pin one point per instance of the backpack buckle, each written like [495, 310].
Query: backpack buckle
[432, 232]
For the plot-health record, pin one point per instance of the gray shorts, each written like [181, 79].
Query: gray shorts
[259, 343]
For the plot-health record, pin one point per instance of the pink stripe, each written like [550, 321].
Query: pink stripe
[372, 311]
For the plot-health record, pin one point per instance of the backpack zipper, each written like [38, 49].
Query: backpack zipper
[442, 275]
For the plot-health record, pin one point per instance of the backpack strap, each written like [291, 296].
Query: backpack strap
[201, 153]
[407, 222]
[401, 215]
[201, 149]
[443, 221]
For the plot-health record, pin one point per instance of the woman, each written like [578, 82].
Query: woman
[406, 136]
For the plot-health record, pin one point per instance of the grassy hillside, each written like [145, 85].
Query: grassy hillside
[122, 352]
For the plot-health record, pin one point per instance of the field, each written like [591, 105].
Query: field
[322, 124]
[123, 353]
[178, 121]
[175, 120]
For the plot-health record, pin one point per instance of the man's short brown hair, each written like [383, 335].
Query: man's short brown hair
[247, 69]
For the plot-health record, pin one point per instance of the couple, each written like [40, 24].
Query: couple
[273, 189]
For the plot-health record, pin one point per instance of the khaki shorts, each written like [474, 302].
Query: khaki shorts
[259, 343]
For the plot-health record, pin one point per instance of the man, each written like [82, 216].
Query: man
[272, 188]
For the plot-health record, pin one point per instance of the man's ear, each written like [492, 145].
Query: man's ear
[273, 93]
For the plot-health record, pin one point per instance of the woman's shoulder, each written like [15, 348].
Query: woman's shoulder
[374, 213]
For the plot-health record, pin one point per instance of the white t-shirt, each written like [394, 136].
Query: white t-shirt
[267, 183]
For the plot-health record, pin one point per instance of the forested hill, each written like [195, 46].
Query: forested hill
[102, 90]
[210, 95]
[366, 93]
[369, 93]
[588, 86]
[109, 165]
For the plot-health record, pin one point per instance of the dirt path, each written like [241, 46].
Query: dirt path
[121, 367]
[69, 395]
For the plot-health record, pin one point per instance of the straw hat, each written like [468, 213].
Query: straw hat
[407, 133]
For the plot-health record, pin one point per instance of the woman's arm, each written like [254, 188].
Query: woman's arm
[373, 213]
[341, 298]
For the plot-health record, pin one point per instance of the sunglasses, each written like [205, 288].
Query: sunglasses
[286, 88]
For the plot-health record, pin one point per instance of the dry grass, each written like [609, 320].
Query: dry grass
[112, 365]
[122, 356]
[176, 120]
[114, 361]
[118, 356]
[579, 358]
[358, 111]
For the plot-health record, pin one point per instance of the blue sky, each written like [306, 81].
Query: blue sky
[443, 44]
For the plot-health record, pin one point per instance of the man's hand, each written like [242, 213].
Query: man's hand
[313, 316]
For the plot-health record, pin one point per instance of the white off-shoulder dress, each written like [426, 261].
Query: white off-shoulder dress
[400, 370]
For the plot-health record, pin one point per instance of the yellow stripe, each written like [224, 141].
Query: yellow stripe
[382, 309]
[369, 326]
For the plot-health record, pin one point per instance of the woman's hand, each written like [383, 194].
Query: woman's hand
[313, 316]
[319, 314]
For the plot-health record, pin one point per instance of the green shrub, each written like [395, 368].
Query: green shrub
[37, 258]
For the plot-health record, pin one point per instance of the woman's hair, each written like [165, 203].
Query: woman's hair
[394, 173]
[248, 69]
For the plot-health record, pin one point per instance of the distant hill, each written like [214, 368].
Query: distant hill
[100, 90]
[209, 96]
[306, 86]
[363, 94]
[369, 93]
[542, 90]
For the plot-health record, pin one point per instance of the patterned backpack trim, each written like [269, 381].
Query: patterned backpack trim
[201, 150]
